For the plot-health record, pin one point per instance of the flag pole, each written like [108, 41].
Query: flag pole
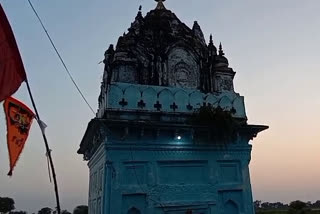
[47, 149]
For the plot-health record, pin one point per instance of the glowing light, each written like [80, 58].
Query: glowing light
[179, 137]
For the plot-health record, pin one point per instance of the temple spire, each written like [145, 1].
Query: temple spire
[212, 48]
[160, 5]
[139, 15]
[198, 32]
[211, 40]
[221, 53]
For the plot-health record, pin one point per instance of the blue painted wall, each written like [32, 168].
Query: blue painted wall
[170, 178]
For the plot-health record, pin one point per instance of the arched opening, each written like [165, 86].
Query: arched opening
[134, 210]
[231, 208]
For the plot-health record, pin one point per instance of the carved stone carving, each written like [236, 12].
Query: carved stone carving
[161, 50]
[183, 69]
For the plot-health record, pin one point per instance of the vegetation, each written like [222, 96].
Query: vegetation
[45, 210]
[6, 205]
[82, 209]
[222, 125]
[295, 207]
[18, 212]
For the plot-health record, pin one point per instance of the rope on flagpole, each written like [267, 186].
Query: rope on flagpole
[62, 61]
[48, 150]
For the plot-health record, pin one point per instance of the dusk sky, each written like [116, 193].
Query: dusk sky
[273, 45]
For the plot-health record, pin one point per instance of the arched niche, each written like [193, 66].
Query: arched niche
[181, 99]
[212, 100]
[238, 105]
[149, 97]
[230, 207]
[133, 210]
[196, 99]
[183, 69]
[166, 99]
[132, 95]
[115, 94]
[225, 103]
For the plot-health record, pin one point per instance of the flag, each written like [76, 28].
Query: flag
[42, 125]
[19, 119]
[12, 72]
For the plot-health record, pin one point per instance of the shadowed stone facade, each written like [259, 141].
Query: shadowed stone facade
[160, 50]
[144, 155]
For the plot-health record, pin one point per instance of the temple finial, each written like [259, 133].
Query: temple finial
[211, 47]
[160, 5]
[211, 40]
[139, 12]
[221, 53]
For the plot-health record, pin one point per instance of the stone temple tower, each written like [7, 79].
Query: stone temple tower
[145, 154]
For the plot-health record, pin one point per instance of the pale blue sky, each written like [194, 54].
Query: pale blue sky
[272, 44]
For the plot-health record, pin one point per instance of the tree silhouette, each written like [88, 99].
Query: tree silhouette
[298, 207]
[45, 210]
[6, 205]
[82, 209]
[257, 204]
[18, 212]
[316, 204]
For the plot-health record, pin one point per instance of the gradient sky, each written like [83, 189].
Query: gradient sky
[273, 45]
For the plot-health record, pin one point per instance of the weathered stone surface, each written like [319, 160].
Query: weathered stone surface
[160, 50]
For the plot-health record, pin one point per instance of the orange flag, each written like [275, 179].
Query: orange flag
[19, 119]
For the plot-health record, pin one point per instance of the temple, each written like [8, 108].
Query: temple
[149, 149]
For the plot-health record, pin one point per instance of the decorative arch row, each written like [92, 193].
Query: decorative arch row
[170, 99]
